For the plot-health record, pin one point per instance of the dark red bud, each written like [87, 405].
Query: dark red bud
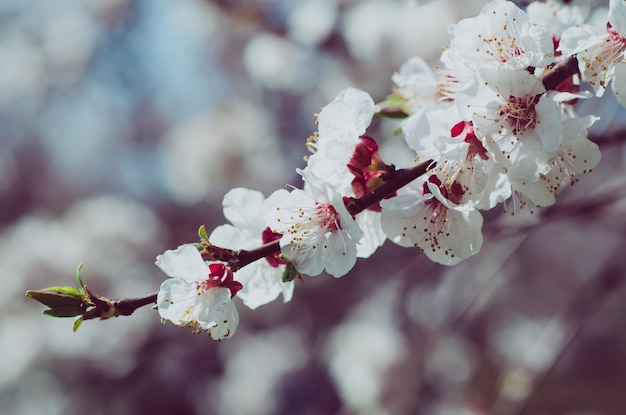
[268, 236]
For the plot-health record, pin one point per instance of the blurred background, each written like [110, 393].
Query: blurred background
[122, 125]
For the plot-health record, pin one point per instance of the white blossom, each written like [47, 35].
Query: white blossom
[197, 295]
[501, 36]
[558, 15]
[262, 279]
[520, 125]
[318, 231]
[416, 84]
[340, 126]
[447, 232]
[600, 52]
[576, 155]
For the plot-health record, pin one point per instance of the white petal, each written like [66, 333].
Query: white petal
[617, 16]
[339, 254]
[228, 236]
[415, 71]
[373, 235]
[332, 171]
[556, 16]
[184, 262]
[421, 131]
[399, 215]
[176, 300]
[518, 83]
[584, 154]
[412, 227]
[322, 191]
[216, 313]
[578, 38]
[274, 210]
[549, 125]
[262, 284]
[463, 240]
[399, 202]
[537, 192]
[497, 189]
[361, 105]
[242, 207]
[343, 120]
[305, 262]
[619, 82]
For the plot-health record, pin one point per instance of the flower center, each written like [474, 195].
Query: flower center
[219, 276]
[447, 86]
[453, 192]
[599, 60]
[615, 37]
[310, 225]
[327, 217]
[502, 48]
[520, 113]
[465, 130]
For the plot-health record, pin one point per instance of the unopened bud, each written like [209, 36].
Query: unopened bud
[63, 301]
[290, 273]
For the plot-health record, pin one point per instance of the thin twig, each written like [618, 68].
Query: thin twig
[128, 306]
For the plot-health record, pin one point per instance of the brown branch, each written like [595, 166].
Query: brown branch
[400, 178]
[247, 257]
[559, 73]
[127, 306]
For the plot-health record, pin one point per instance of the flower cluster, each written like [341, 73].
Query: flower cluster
[494, 123]
[490, 126]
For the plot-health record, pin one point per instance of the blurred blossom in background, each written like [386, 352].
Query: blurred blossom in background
[122, 125]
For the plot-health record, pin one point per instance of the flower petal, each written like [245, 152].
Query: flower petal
[242, 207]
[176, 301]
[217, 314]
[228, 236]
[617, 16]
[184, 262]
[549, 125]
[619, 82]
[262, 284]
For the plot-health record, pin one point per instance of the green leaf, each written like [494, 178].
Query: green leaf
[78, 279]
[290, 273]
[394, 101]
[392, 112]
[77, 323]
[54, 297]
[64, 312]
[393, 107]
[202, 234]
